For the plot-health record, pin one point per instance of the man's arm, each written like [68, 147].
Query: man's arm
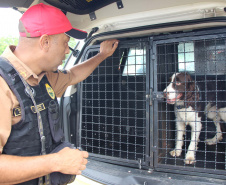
[16, 169]
[81, 71]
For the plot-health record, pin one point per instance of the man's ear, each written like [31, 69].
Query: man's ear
[44, 42]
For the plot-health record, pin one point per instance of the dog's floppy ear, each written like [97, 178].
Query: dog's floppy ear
[192, 94]
[190, 83]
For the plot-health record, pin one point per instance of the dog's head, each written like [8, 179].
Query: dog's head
[181, 88]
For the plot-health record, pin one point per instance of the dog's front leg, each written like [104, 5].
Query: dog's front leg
[195, 132]
[180, 139]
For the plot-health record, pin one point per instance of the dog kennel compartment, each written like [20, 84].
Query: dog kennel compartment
[203, 57]
[114, 113]
[123, 116]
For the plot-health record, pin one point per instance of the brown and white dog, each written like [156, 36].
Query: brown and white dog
[189, 106]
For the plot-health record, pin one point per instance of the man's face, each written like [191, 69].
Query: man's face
[58, 49]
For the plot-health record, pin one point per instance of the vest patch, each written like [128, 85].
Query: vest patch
[17, 111]
[50, 91]
[40, 107]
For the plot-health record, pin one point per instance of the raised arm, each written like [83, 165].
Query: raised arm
[81, 71]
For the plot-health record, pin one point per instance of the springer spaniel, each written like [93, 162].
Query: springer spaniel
[189, 107]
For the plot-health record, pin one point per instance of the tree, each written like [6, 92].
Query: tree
[5, 41]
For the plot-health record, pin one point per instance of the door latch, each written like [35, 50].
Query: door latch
[159, 96]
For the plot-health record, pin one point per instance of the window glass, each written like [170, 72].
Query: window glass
[135, 63]
[186, 59]
[72, 43]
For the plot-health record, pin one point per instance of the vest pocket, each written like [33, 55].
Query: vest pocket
[54, 121]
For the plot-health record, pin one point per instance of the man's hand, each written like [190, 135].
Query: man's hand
[108, 47]
[71, 161]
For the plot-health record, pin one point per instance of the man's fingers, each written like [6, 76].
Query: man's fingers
[83, 167]
[115, 45]
[85, 161]
[85, 154]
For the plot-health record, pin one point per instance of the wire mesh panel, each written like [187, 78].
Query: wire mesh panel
[191, 119]
[114, 106]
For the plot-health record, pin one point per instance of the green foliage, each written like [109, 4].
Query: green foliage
[5, 41]
[72, 42]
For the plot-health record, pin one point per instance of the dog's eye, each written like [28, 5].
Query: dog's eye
[178, 83]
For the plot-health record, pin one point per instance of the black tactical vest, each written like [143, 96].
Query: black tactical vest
[24, 139]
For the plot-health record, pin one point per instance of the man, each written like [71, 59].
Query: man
[43, 44]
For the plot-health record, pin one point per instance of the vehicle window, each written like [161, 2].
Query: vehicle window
[135, 63]
[210, 53]
[186, 59]
[72, 43]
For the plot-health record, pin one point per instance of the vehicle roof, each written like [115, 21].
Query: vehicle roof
[117, 15]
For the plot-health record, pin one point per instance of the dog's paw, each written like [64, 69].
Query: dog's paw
[190, 158]
[213, 141]
[175, 152]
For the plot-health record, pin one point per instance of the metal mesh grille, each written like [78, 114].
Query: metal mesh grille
[204, 61]
[114, 106]
[188, 134]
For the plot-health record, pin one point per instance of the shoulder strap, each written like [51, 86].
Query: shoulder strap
[10, 75]
[7, 71]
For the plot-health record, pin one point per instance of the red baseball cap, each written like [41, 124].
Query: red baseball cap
[43, 19]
